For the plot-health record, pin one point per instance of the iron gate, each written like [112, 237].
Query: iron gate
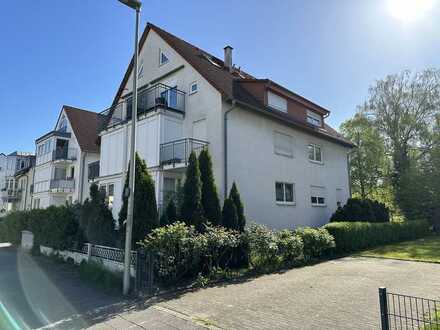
[144, 272]
[400, 311]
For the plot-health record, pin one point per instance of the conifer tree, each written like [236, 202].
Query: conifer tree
[210, 200]
[191, 209]
[234, 195]
[145, 215]
[229, 215]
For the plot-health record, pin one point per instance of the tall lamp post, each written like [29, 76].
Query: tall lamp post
[136, 5]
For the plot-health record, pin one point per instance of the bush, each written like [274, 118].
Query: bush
[56, 227]
[317, 242]
[182, 253]
[361, 210]
[270, 250]
[354, 236]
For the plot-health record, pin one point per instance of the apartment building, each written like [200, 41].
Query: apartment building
[290, 166]
[62, 159]
[12, 189]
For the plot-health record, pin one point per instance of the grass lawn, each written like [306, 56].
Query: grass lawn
[424, 249]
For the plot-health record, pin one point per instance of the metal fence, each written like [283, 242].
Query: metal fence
[400, 311]
[178, 151]
[110, 253]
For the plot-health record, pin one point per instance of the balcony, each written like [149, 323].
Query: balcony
[93, 171]
[176, 153]
[159, 96]
[9, 195]
[62, 185]
[64, 154]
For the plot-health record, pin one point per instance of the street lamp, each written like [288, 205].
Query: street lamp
[136, 5]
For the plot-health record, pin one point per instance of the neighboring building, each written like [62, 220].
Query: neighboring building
[10, 191]
[62, 159]
[290, 166]
[24, 179]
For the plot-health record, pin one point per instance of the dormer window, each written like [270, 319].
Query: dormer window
[314, 119]
[163, 58]
[277, 102]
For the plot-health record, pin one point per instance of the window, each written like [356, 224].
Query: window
[110, 195]
[63, 124]
[169, 189]
[60, 173]
[284, 193]
[36, 203]
[314, 119]
[315, 153]
[163, 59]
[277, 102]
[283, 144]
[193, 88]
[317, 196]
[170, 96]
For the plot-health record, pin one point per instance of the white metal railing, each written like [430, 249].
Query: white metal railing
[68, 184]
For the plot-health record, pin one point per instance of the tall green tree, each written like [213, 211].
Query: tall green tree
[96, 220]
[229, 214]
[169, 215]
[368, 162]
[145, 215]
[405, 107]
[210, 200]
[234, 195]
[191, 208]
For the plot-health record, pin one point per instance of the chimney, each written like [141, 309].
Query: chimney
[228, 58]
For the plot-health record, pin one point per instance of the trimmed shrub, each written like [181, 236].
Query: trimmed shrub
[145, 215]
[317, 242]
[354, 236]
[191, 208]
[290, 246]
[95, 272]
[229, 215]
[182, 253]
[234, 195]
[210, 199]
[361, 210]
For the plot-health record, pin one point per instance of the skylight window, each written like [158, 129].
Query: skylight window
[163, 58]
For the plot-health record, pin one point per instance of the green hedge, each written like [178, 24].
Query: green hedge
[354, 236]
[56, 227]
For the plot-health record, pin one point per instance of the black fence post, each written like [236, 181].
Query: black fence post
[383, 308]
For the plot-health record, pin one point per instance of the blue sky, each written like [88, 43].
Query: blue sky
[76, 52]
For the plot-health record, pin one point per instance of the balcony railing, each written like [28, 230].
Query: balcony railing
[10, 194]
[64, 154]
[62, 184]
[177, 152]
[157, 96]
[93, 170]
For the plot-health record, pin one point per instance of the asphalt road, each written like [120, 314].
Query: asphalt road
[36, 293]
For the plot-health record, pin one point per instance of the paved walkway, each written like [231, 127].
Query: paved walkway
[339, 294]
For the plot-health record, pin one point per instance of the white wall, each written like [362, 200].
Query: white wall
[255, 167]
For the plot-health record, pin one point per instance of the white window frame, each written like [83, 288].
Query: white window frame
[282, 152]
[160, 58]
[191, 91]
[322, 196]
[276, 97]
[314, 160]
[284, 201]
[314, 119]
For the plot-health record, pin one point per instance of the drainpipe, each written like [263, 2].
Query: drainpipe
[82, 171]
[225, 135]
[349, 174]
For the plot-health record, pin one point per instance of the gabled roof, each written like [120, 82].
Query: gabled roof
[85, 127]
[212, 69]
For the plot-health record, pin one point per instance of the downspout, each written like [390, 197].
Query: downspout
[82, 171]
[349, 173]
[225, 136]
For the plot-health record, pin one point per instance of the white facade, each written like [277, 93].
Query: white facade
[254, 161]
[10, 189]
[61, 167]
